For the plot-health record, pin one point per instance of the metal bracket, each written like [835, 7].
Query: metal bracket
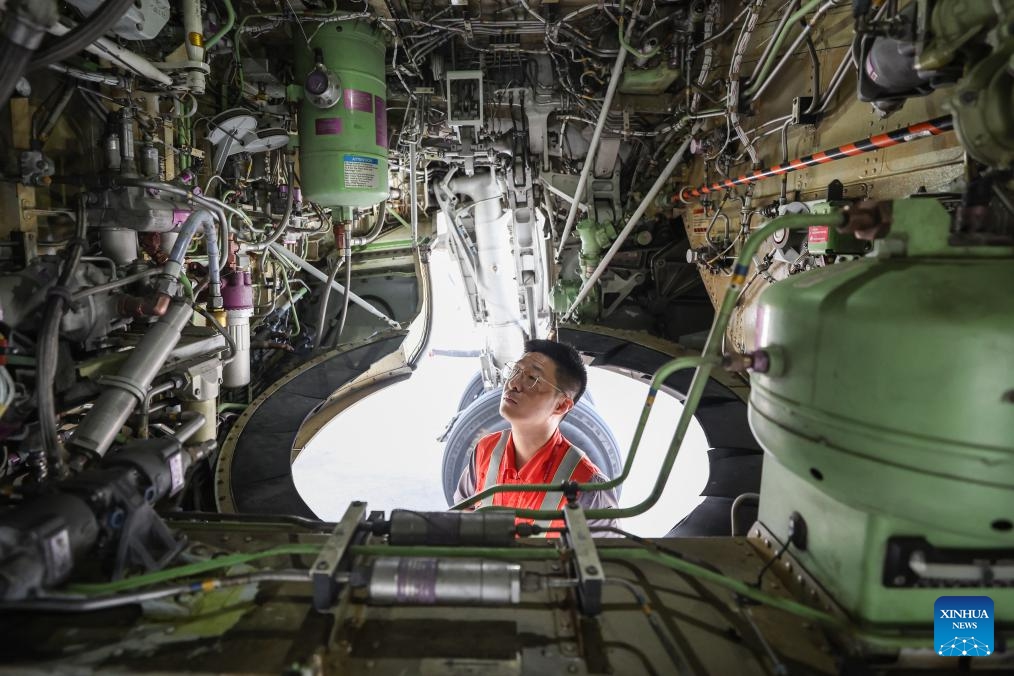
[324, 573]
[586, 559]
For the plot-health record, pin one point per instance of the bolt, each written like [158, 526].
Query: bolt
[591, 570]
[322, 565]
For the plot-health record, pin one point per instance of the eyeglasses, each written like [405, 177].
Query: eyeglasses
[512, 370]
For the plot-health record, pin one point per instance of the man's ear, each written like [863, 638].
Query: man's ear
[563, 406]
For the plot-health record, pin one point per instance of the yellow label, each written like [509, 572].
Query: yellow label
[196, 39]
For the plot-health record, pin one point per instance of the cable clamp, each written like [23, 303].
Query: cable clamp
[64, 293]
[125, 384]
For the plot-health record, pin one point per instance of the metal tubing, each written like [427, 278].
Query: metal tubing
[284, 253]
[116, 283]
[103, 422]
[632, 222]
[214, 206]
[589, 159]
[107, 49]
[934, 127]
[199, 421]
[193, 42]
[190, 422]
[87, 76]
[562, 195]
[791, 50]
[414, 194]
[230, 21]
[764, 67]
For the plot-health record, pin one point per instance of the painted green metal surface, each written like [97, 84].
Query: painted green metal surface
[343, 149]
[648, 80]
[892, 413]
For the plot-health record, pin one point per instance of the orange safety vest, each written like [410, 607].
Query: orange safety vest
[564, 462]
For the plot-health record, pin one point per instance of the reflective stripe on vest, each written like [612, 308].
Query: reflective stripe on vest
[494, 466]
[564, 472]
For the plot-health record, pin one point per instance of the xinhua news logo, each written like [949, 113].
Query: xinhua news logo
[963, 626]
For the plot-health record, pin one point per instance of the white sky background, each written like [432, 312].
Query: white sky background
[383, 449]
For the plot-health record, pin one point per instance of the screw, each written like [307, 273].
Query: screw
[322, 565]
[968, 96]
[591, 570]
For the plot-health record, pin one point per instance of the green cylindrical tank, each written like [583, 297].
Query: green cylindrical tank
[892, 381]
[343, 148]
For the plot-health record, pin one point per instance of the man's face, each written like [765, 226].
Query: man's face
[522, 403]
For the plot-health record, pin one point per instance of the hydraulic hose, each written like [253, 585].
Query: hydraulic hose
[49, 343]
[345, 296]
[230, 21]
[325, 298]
[173, 267]
[82, 35]
[374, 232]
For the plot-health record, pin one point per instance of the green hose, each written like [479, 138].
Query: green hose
[765, 68]
[710, 357]
[230, 21]
[664, 372]
[188, 570]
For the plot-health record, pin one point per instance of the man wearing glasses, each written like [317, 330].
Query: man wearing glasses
[539, 390]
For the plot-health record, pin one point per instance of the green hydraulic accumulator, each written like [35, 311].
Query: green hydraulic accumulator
[886, 407]
[343, 116]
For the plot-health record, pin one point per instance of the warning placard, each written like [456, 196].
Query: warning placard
[361, 171]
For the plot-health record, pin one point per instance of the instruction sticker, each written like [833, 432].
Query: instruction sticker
[361, 172]
[358, 100]
[380, 120]
[818, 234]
[327, 126]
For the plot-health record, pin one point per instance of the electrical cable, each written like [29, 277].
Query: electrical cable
[77, 604]
[653, 621]
[934, 127]
[82, 35]
[190, 569]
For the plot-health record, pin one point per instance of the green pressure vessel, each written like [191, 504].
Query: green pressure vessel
[887, 414]
[343, 114]
[892, 380]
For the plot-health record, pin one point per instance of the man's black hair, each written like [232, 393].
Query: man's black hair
[571, 374]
